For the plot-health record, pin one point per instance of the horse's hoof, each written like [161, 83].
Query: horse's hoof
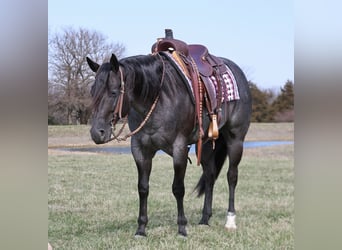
[230, 223]
[204, 223]
[204, 220]
[137, 236]
[140, 235]
[182, 232]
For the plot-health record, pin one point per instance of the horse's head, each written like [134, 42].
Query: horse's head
[106, 92]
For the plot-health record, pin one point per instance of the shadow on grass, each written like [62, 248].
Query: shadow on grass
[163, 219]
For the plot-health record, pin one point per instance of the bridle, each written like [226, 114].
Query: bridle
[118, 109]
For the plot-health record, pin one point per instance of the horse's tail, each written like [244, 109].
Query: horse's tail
[200, 187]
[220, 157]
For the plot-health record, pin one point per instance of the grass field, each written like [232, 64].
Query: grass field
[93, 199]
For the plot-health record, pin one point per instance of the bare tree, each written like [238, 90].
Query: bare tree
[69, 76]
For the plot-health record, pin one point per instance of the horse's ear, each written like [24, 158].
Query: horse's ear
[115, 63]
[93, 65]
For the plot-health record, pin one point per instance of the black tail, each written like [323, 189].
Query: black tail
[220, 154]
[200, 187]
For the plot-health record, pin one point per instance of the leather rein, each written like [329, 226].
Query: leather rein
[118, 109]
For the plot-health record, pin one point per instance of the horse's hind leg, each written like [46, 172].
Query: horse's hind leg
[235, 153]
[212, 162]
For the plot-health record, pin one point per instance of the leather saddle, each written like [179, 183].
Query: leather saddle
[206, 64]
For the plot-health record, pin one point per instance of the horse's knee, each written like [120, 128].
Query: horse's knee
[143, 189]
[142, 220]
[178, 190]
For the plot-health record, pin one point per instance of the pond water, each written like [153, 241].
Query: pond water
[127, 150]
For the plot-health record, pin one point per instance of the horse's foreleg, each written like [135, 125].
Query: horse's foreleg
[144, 171]
[235, 154]
[178, 189]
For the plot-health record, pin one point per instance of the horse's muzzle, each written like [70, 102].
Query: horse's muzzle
[99, 135]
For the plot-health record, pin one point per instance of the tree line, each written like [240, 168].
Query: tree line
[271, 107]
[70, 79]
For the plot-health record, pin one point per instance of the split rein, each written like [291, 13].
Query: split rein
[118, 110]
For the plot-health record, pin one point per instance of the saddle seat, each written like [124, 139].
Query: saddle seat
[205, 62]
[167, 44]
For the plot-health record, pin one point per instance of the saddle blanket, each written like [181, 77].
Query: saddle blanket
[230, 91]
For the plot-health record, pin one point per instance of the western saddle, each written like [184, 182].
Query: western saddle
[199, 66]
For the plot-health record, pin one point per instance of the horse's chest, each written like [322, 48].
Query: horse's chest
[158, 138]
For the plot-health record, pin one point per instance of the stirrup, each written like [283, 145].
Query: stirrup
[213, 128]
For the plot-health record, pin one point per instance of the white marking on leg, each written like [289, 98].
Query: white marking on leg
[230, 223]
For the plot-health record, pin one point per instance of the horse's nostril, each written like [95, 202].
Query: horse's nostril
[102, 132]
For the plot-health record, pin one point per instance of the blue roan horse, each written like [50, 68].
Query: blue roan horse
[152, 93]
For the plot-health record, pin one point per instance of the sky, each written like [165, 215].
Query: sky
[257, 35]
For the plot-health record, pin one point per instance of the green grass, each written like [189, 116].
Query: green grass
[93, 203]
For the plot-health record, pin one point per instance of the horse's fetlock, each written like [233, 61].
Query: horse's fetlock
[142, 220]
[143, 189]
[182, 221]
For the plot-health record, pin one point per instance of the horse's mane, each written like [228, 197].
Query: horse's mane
[145, 72]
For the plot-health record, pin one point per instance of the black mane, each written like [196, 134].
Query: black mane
[145, 72]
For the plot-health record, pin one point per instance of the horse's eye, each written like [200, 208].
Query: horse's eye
[114, 93]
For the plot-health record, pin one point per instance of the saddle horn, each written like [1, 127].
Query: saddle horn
[168, 33]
